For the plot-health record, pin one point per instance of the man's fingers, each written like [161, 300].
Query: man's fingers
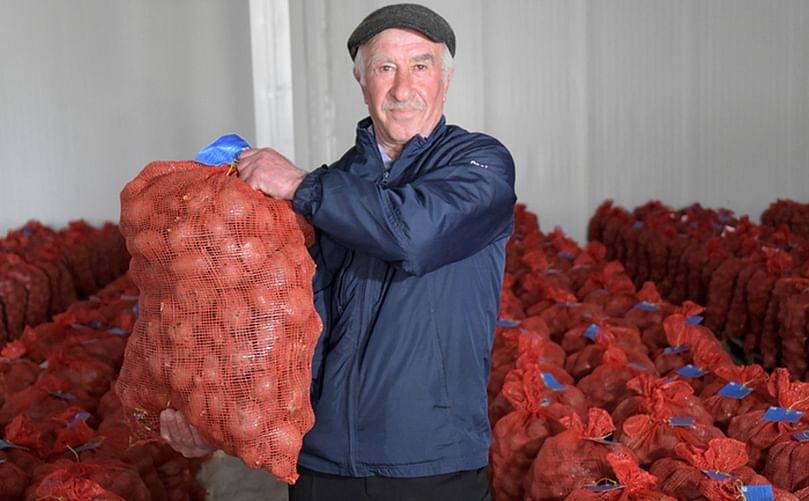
[181, 435]
[175, 430]
[167, 426]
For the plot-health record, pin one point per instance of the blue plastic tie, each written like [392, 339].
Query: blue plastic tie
[224, 151]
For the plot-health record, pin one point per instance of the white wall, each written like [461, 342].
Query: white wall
[629, 99]
[92, 90]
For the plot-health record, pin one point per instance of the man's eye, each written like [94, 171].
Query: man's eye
[386, 67]
[421, 67]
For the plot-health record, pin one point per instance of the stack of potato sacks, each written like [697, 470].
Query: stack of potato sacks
[753, 279]
[602, 391]
[64, 433]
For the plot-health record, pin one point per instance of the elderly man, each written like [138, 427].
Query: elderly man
[412, 225]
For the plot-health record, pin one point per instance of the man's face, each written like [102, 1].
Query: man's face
[403, 87]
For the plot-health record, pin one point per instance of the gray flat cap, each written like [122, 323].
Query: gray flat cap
[403, 15]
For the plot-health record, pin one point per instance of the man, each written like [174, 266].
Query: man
[412, 226]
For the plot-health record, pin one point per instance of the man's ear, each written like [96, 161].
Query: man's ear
[362, 87]
[450, 74]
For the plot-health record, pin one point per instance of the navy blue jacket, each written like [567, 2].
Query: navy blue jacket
[409, 269]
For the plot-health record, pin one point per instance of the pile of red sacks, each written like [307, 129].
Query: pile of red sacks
[753, 279]
[64, 432]
[43, 271]
[602, 391]
[790, 213]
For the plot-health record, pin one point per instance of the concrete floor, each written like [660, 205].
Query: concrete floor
[228, 479]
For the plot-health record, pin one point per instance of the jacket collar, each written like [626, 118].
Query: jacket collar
[366, 142]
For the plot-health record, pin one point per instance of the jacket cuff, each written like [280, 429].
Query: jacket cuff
[307, 197]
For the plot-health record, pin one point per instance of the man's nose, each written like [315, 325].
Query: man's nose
[402, 86]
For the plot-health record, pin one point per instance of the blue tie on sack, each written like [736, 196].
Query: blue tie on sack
[224, 151]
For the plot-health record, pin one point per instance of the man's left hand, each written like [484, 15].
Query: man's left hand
[267, 170]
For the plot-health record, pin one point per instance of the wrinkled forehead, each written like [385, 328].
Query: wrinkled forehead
[401, 42]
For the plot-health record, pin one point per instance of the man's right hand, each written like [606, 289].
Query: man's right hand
[182, 436]
[267, 170]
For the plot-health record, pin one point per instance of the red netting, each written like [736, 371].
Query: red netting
[574, 458]
[47, 396]
[16, 373]
[760, 434]
[517, 437]
[606, 385]
[532, 373]
[636, 484]
[787, 464]
[94, 480]
[583, 362]
[724, 408]
[13, 480]
[652, 391]
[227, 324]
[714, 473]
[654, 436]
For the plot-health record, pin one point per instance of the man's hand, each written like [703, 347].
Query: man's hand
[267, 170]
[182, 436]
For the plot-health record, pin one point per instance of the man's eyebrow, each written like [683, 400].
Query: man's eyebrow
[379, 59]
[423, 57]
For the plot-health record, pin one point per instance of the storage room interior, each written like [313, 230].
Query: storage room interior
[633, 101]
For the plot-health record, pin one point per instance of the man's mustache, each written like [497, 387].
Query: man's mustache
[403, 105]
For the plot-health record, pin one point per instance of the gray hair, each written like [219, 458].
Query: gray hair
[447, 64]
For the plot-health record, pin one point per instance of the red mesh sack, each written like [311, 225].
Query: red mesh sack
[36, 285]
[98, 345]
[787, 464]
[595, 228]
[510, 304]
[542, 375]
[707, 356]
[589, 328]
[759, 433]
[592, 257]
[517, 437]
[13, 480]
[707, 472]
[563, 312]
[574, 458]
[14, 296]
[511, 339]
[94, 480]
[531, 349]
[542, 348]
[654, 435]
[22, 432]
[227, 324]
[16, 373]
[611, 276]
[682, 334]
[794, 333]
[651, 391]
[606, 385]
[720, 293]
[771, 342]
[582, 363]
[744, 377]
[631, 483]
[737, 320]
[48, 396]
[650, 309]
[81, 371]
[759, 291]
